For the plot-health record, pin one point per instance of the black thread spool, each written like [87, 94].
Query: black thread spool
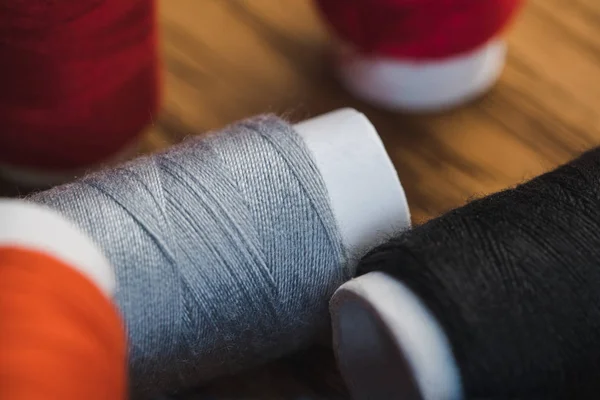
[499, 299]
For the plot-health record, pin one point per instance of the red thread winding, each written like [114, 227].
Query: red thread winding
[418, 29]
[78, 79]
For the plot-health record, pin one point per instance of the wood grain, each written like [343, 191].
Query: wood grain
[230, 59]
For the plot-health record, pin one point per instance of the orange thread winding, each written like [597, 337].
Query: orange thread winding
[61, 338]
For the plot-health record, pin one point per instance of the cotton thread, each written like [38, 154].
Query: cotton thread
[79, 80]
[225, 248]
[417, 29]
[514, 281]
[60, 335]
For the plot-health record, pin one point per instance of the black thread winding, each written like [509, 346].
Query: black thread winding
[514, 279]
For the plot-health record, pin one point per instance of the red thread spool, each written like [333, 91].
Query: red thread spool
[419, 55]
[418, 29]
[79, 80]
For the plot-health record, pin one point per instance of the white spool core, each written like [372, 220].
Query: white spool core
[422, 86]
[365, 193]
[388, 345]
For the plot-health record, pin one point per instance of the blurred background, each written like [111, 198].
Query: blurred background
[230, 59]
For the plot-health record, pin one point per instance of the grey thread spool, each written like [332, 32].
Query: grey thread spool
[225, 248]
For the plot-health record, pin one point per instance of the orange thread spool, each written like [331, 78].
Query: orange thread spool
[61, 338]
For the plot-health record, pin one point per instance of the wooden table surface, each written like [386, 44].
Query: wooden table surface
[230, 59]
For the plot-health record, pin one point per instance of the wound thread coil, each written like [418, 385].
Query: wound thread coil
[507, 285]
[79, 81]
[60, 335]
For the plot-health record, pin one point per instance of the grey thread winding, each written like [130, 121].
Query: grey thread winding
[225, 249]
